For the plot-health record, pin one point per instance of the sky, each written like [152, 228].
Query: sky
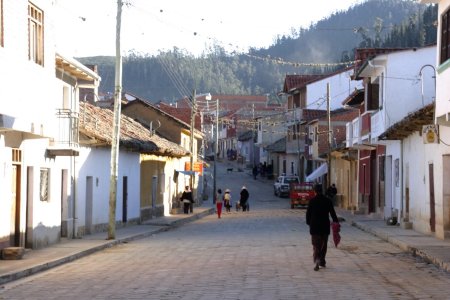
[150, 26]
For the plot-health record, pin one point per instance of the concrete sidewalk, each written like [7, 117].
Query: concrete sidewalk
[431, 249]
[67, 250]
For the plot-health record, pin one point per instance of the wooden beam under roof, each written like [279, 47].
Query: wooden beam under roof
[75, 69]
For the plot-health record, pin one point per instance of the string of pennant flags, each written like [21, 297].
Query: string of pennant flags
[280, 61]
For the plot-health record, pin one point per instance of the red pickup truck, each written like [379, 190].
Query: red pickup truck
[301, 193]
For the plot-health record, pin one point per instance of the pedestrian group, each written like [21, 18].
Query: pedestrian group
[225, 200]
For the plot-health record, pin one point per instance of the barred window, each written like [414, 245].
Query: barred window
[35, 34]
[45, 184]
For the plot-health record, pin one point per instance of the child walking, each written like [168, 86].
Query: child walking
[219, 202]
[227, 200]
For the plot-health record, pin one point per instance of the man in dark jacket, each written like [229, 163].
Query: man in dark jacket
[318, 214]
[187, 199]
[244, 198]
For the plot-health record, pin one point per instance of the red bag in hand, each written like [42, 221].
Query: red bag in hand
[336, 228]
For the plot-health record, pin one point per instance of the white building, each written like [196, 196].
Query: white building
[397, 85]
[38, 134]
[441, 158]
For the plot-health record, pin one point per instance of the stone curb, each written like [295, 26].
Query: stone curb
[415, 251]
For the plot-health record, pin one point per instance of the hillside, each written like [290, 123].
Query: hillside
[174, 74]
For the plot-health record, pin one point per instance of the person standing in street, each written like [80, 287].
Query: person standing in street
[227, 200]
[254, 171]
[318, 213]
[244, 198]
[187, 199]
[219, 202]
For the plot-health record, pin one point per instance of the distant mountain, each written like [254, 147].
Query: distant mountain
[173, 74]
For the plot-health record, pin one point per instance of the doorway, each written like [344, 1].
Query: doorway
[64, 202]
[388, 207]
[15, 206]
[124, 199]
[89, 204]
[432, 200]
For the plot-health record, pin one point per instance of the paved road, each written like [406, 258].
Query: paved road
[263, 254]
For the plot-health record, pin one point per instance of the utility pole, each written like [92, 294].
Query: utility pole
[216, 148]
[116, 130]
[191, 142]
[329, 136]
[297, 133]
[254, 132]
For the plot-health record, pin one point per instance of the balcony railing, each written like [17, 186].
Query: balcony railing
[293, 116]
[68, 133]
[353, 132]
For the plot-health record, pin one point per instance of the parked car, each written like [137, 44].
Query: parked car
[281, 187]
[301, 193]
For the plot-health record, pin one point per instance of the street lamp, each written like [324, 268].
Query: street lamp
[421, 81]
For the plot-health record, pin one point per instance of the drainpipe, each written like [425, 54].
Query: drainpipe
[72, 161]
[74, 199]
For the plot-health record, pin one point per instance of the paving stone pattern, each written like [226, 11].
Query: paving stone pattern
[261, 254]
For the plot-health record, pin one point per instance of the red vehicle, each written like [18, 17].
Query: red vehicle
[301, 193]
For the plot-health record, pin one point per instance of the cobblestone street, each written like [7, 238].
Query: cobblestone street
[261, 254]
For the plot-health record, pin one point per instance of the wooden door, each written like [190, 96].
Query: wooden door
[15, 206]
[89, 204]
[125, 199]
[432, 200]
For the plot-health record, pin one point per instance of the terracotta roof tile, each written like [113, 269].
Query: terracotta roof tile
[298, 81]
[96, 124]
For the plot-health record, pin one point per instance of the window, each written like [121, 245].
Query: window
[373, 95]
[44, 188]
[1, 23]
[35, 34]
[445, 36]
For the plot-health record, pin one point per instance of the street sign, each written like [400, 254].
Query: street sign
[198, 167]
[430, 134]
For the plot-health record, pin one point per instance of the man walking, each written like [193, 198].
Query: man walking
[187, 199]
[320, 208]
[244, 198]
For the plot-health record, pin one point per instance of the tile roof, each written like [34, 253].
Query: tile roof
[313, 114]
[245, 136]
[96, 124]
[180, 113]
[356, 98]
[278, 146]
[298, 81]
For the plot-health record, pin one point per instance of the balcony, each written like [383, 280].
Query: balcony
[293, 116]
[353, 132]
[66, 141]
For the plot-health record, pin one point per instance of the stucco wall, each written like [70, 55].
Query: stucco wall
[45, 215]
[95, 163]
[418, 157]
[443, 74]
[393, 201]
[341, 86]
[402, 74]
